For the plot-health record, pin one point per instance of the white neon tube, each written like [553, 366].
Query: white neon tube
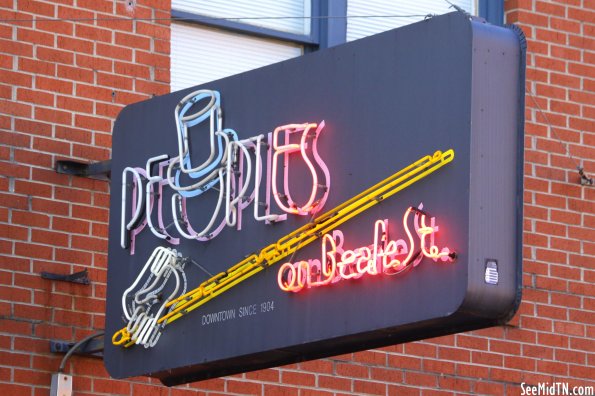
[149, 190]
[195, 235]
[139, 200]
[229, 202]
[157, 256]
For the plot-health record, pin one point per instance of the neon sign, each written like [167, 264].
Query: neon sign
[234, 167]
[381, 257]
[303, 236]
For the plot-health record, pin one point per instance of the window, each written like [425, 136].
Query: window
[217, 38]
[216, 44]
[359, 26]
[200, 54]
[275, 13]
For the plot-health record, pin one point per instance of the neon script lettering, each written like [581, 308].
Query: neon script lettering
[233, 168]
[383, 256]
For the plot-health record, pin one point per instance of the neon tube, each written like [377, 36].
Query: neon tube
[311, 206]
[139, 198]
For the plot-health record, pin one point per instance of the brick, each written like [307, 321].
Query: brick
[54, 300]
[33, 250]
[53, 85]
[50, 206]
[566, 25]
[114, 81]
[548, 8]
[438, 366]
[34, 158]
[244, 388]
[70, 318]
[72, 195]
[14, 170]
[111, 387]
[161, 47]
[565, 300]
[569, 328]
[537, 351]
[469, 342]
[49, 176]
[66, 12]
[90, 153]
[16, 48]
[15, 389]
[370, 357]
[73, 256]
[73, 134]
[564, 355]
[113, 52]
[421, 349]
[15, 294]
[555, 368]
[93, 33]
[132, 41]
[297, 378]
[37, 7]
[75, 45]
[95, 93]
[49, 237]
[30, 127]
[334, 383]
[404, 362]
[5, 90]
[29, 312]
[491, 359]
[103, 140]
[146, 58]
[420, 379]
[70, 225]
[92, 123]
[369, 387]
[151, 88]
[77, 74]
[15, 108]
[554, 340]
[505, 347]
[351, 370]
[317, 366]
[53, 115]
[148, 390]
[548, 311]
[36, 97]
[14, 233]
[128, 98]
[94, 63]
[30, 219]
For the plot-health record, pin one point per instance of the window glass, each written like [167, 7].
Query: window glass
[359, 26]
[275, 12]
[201, 54]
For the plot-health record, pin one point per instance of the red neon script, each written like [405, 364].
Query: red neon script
[383, 256]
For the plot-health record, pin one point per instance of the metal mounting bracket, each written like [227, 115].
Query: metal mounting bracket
[98, 170]
[81, 277]
[91, 348]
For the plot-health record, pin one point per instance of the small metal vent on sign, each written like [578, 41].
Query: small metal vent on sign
[491, 274]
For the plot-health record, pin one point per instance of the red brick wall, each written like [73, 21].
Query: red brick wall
[62, 83]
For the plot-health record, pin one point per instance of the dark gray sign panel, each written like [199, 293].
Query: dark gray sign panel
[432, 111]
